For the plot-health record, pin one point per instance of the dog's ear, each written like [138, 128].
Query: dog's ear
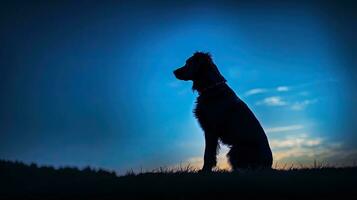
[207, 67]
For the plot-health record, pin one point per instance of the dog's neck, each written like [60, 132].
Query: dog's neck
[208, 80]
[202, 90]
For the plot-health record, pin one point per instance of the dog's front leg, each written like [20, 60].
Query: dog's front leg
[210, 152]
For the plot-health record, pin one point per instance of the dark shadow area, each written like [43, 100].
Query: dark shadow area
[18, 180]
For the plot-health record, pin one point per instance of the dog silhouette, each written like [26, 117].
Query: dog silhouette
[224, 117]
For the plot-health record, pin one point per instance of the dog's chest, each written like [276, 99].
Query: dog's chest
[210, 113]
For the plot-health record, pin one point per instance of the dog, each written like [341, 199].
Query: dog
[224, 117]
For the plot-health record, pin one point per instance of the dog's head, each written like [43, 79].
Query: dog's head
[194, 65]
[200, 69]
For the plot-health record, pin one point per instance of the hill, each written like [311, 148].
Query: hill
[18, 180]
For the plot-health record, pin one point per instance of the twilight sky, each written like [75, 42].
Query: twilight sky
[91, 83]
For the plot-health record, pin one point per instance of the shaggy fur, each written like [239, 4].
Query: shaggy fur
[225, 117]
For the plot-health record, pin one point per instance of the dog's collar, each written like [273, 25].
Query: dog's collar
[211, 87]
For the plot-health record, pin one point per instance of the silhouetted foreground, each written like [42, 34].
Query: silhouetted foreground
[224, 117]
[32, 182]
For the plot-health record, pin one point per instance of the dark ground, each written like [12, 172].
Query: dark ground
[18, 180]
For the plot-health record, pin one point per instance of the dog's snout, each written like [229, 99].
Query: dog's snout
[175, 72]
[179, 73]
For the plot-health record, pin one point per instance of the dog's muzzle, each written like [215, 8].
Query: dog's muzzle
[182, 74]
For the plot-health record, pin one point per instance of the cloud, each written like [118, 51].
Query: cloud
[255, 91]
[284, 128]
[302, 149]
[272, 101]
[305, 150]
[302, 104]
[298, 141]
[287, 88]
[282, 89]
[278, 101]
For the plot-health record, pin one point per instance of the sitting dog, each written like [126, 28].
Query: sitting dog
[225, 117]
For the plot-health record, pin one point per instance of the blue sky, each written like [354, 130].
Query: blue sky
[90, 83]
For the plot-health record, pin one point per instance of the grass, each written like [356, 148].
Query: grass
[18, 180]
